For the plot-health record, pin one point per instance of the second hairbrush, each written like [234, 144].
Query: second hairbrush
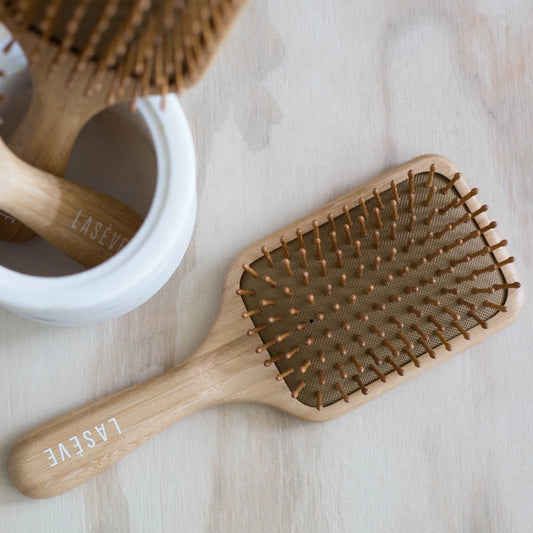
[85, 56]
[315, 319]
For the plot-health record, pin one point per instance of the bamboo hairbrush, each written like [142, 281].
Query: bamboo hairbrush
[87, 225]
[87, 54]
[371, 290]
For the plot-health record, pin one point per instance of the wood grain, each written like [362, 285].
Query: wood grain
[305, 103]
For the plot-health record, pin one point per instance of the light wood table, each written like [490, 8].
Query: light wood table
[308, 100]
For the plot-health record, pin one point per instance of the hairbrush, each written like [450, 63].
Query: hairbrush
[85, 224]
[85, 55]
[324, 315]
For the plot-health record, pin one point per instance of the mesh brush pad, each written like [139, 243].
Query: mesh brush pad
[334, 328]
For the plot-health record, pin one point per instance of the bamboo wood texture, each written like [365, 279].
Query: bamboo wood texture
[49, 460]
[85, 224]
[309, 99]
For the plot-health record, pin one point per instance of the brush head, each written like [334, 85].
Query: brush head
[378, 286]
[132, 48]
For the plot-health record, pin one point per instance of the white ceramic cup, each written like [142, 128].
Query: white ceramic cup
[152, 168]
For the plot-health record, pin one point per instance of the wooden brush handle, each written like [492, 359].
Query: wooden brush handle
[73, 448]
[86, 225]
[47, 133]
[46, 136]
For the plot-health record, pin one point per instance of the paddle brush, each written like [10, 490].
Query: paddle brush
[324, 315]
[87, 54]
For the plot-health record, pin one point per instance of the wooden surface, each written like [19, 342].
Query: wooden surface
[308, 101]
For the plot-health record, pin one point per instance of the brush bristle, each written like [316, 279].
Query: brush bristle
[156, 46]
[368, 291]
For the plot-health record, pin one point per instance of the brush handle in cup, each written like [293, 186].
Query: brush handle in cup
[88, 226]
[45, 137]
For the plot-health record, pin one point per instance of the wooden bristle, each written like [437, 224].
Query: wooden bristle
[393, 231]
[492, 305]
[358, 366]
[391, 361]
[447, 345]
[461, 330]
[391, 348]
[269, 281]
[407, 248]
[340, 388]
[478, 319]
[362, 226]
[411, 223]
[427, 347]
[436, 323]
[249, 269]
[394, 208]
[396, 321]
[379, 374]
[331, 221]
[357, 249]
[400, 276]
[408, 343]
[431, 175]
[361, 385]
[416, 327]
[287, 266]
[377, 214]
[346, 210]
[255, 330]
[411, 180]
[362, 205]
[319, 404]
[379, 202]
[411, 357]
[411, 205]
[285, 248]
[347, 233]
[245, 292]
[394, 188]
[299, 236]
[430, 195]
[429, 219]
[268, 257]
[467, 197]
[318, 248]
[298, 389]
[451, 183]
[446, 208]
[303, 257]
[333, 239]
